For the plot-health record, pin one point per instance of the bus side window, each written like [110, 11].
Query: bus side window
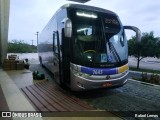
[122, 40]
[55, 45]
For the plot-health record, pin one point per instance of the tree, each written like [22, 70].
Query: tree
[18, 46]
[148, 47]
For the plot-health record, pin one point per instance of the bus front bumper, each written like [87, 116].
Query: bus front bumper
[79, 83]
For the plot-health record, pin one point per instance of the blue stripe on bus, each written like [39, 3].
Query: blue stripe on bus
[99, 71]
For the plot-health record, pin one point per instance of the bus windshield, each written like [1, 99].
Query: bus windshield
[96, 39]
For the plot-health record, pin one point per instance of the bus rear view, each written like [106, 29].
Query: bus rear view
[89, 48]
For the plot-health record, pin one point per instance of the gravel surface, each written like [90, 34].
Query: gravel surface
[132, 97]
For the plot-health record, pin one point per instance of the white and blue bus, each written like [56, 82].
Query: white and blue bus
[85, 47]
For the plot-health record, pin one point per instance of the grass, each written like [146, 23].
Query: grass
[145, 70]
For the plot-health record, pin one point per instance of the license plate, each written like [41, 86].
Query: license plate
[107, 84]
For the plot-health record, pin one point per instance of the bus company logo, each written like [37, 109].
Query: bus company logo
[97, 72]
[6, 114]
[107, 77]
[21, 114]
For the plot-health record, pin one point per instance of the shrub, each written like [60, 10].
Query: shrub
[155, 79]
[144, 77]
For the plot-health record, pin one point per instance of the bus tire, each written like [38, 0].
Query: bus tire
[40, 60]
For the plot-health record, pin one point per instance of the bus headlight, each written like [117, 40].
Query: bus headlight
[80, 74]
[84, 75]
[77, 71]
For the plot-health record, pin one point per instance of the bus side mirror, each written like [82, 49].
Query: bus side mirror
[138, 32]
[67, 28]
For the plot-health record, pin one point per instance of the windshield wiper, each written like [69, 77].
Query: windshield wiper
[111, 47]
[113, 50]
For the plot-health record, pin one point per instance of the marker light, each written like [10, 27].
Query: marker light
[89, 57]
[86, 15]
[80, 30]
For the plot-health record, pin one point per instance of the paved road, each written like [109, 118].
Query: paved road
[146, 63]
[133, 96]
[134, 74]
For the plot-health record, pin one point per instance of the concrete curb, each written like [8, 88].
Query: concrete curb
[141, 72]
[145, 83]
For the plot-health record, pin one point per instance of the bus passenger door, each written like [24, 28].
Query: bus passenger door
[65, 59]
[57, 58]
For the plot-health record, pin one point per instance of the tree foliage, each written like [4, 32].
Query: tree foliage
[148, 47]
[18, 46]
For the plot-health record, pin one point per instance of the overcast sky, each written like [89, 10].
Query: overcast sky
[29, 16]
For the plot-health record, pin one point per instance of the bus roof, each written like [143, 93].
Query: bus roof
[86, 7]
